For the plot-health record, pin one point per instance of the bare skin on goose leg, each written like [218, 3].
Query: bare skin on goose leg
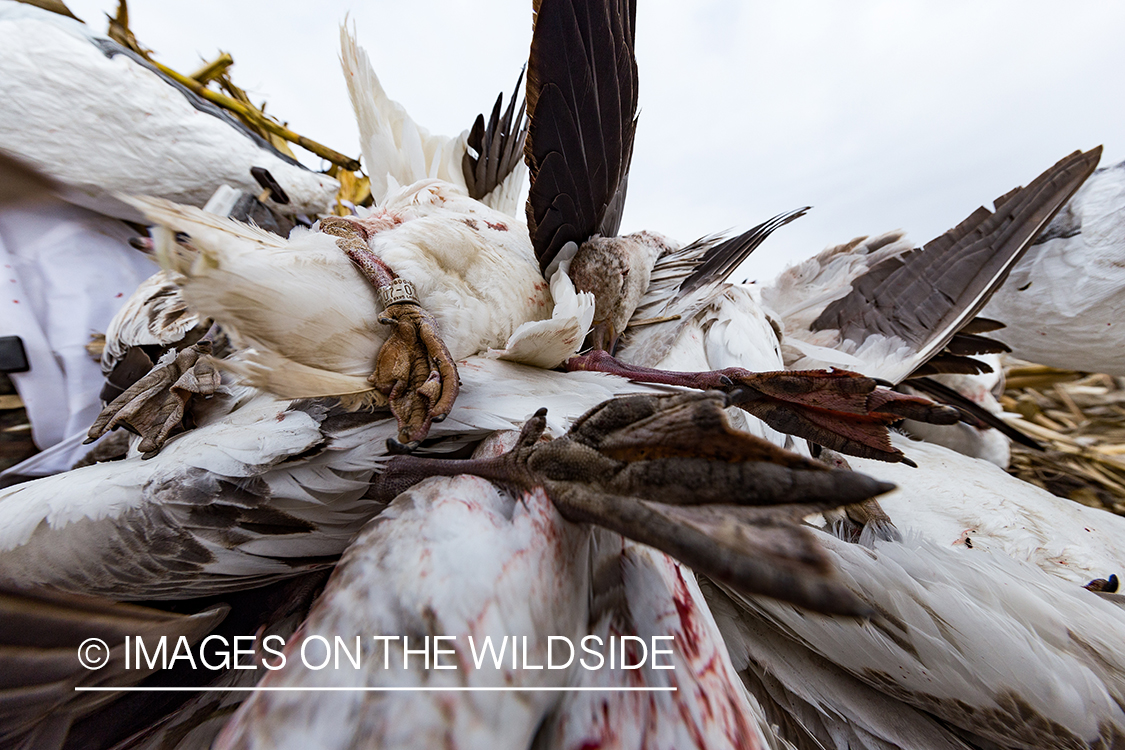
[838, 409]
[671, 472]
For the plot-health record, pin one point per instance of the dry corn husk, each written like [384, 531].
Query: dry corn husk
[1080, 419]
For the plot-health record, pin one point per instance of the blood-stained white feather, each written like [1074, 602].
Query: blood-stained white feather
[648, 597]
[453, 557]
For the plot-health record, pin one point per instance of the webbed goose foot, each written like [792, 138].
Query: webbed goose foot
[154, 406]
[416, 372]
[414, 369]
[1103, 585]
[840, 410]
[671, 472]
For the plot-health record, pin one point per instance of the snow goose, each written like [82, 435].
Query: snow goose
[869, 716]
[889, 307]
[582, 80]
[889, 310]
[976, 647]
[79, 106]
[459, 268]
[261, 489]
[446, 267]
[1064, 302]
[454, 556]
[667, 470]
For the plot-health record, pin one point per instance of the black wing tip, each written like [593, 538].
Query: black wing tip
[582, 106]
[720, 261]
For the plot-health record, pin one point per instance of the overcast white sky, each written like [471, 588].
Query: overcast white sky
[881, 115]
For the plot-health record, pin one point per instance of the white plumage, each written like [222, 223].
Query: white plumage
[969, 642]
[259, 485]
[153, 315]
[638, 591]
[802, 291]
[85, 111]
[308, 321]
[951, 498]
[1064, 303]
[449, 557]
[967, 647]
[399, 152]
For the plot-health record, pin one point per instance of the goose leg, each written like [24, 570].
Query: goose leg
[840, 410]
[670, 472]
[154, 406]
[414, 368]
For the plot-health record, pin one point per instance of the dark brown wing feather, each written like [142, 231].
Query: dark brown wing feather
[498, 146]
[966, 344]
[980, 325]
[582, 104]
[974, 412]
[923, 296]
[40, 636]
[720, 261]
[21, 181]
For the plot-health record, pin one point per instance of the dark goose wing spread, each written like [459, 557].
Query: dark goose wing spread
[582, 104]
[924, 296]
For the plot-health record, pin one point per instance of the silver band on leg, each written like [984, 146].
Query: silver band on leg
[399, 292]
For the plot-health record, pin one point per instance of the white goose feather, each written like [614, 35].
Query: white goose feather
[451, 556]
[996, 650]
[1064, 303]
[472, 269]
[154, 315]
[91, 114]
[398, 151]
[638, 591]
[261, 490]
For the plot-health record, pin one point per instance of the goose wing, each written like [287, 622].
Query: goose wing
[40, 634]
[904, 306]
[582, 105]
[398, 151]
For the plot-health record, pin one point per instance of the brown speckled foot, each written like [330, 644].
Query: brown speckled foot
[837, 409]
[671, 472]
[154, 406]
[416, 371]
[413, 368]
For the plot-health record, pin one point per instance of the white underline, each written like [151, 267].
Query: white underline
[376, 689]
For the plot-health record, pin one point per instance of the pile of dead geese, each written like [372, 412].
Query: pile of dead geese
[390, 459]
